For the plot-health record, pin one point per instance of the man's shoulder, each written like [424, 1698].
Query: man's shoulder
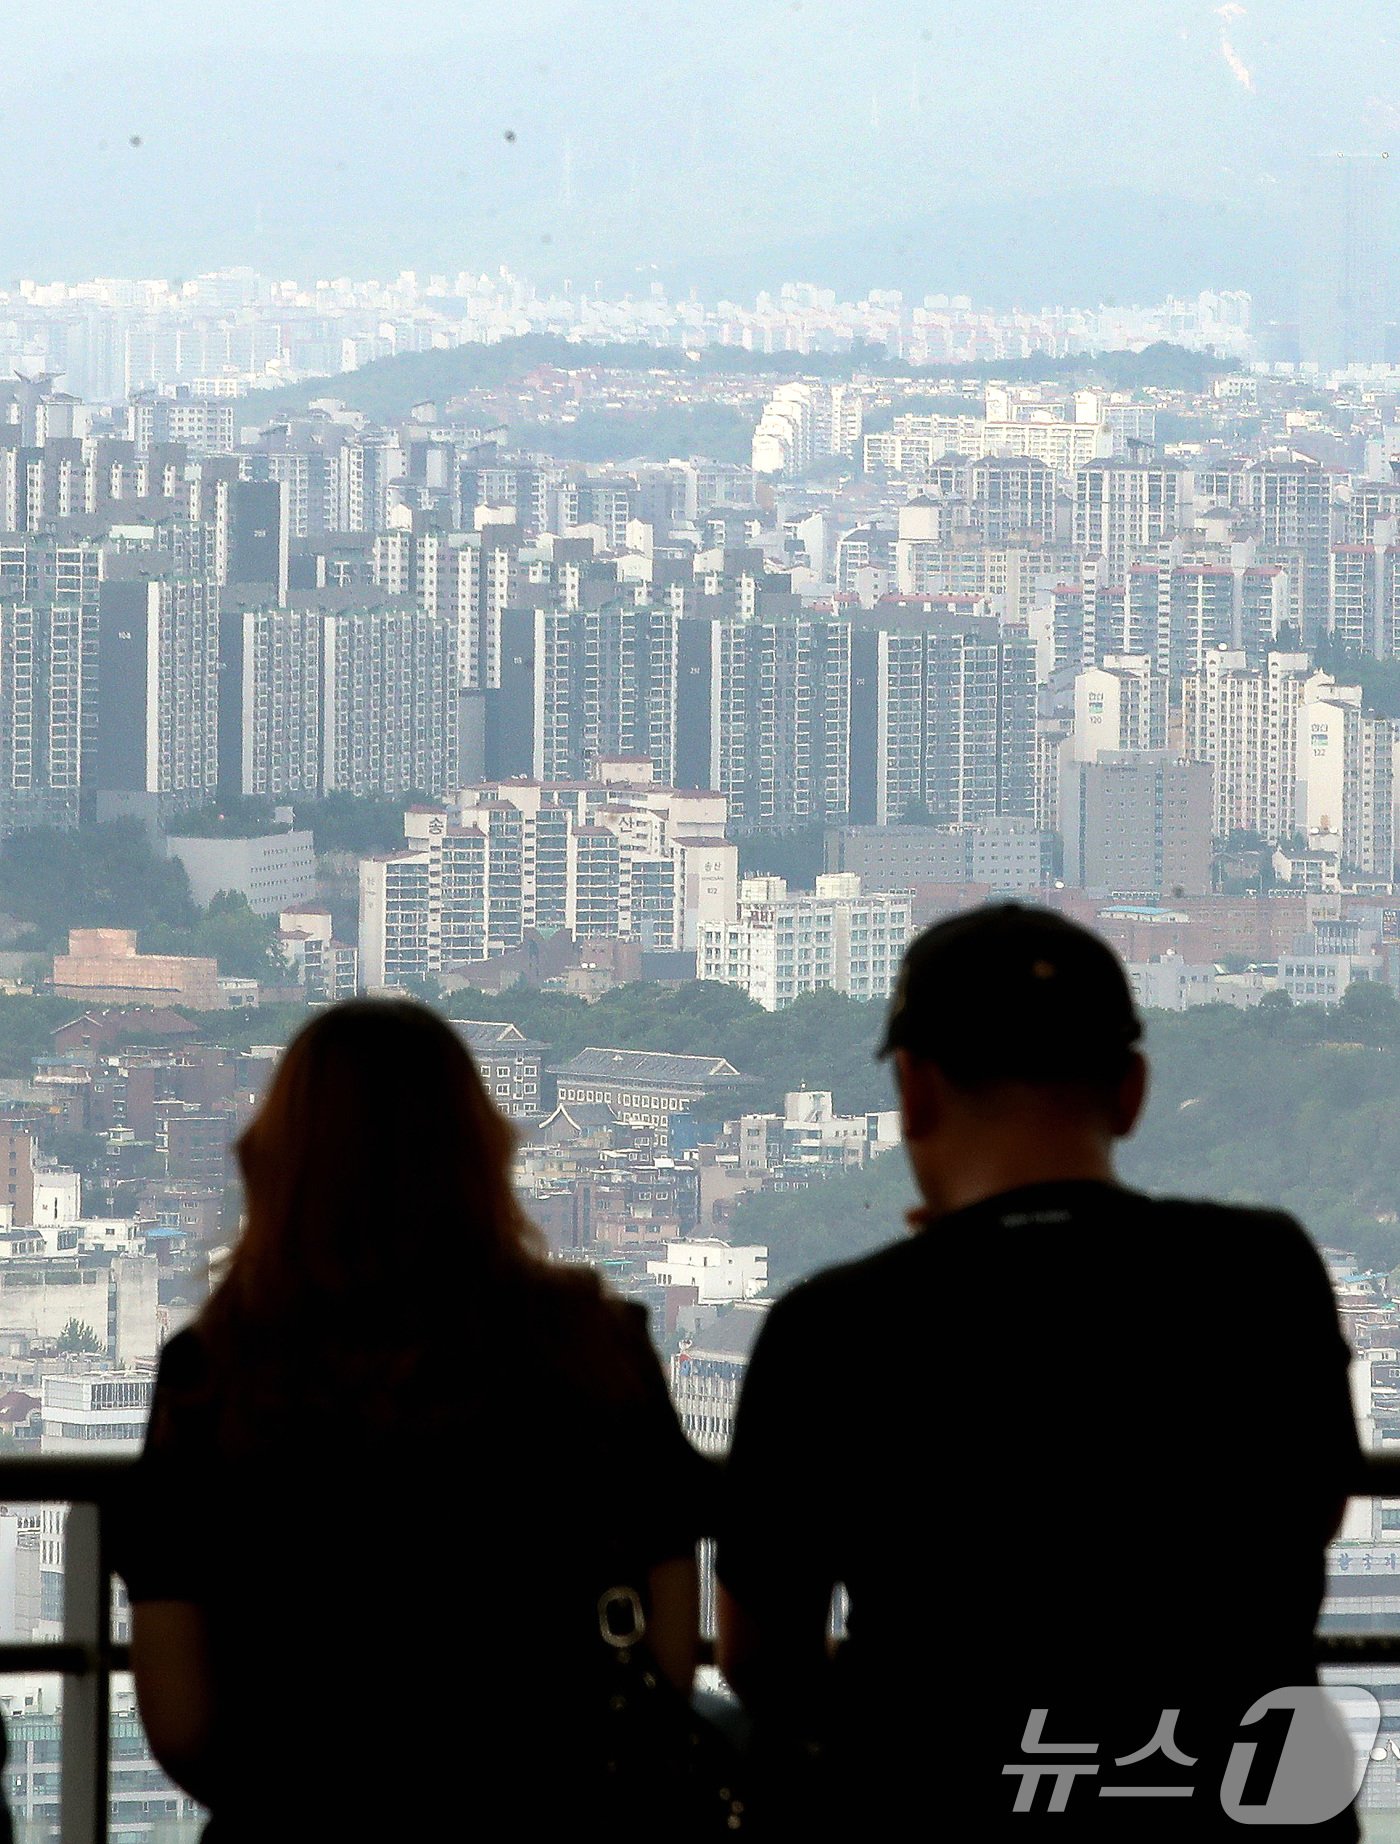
[1194, 1227]
[1234, 1225]
[887, 1273]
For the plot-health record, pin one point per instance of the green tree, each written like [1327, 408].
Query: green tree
[245, 1025]
[244, 944]
[233, 816]
[1368, 1013]
[75, 1147]
[359, 824]
[103, 876]
[78, 1336]
[1282, 1105]
[27, 1025]
[388, 388]
[1379, 679]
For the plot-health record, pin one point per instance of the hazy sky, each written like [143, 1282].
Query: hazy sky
[1016, 148]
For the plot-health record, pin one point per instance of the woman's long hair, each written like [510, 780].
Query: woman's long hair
[380, 1222]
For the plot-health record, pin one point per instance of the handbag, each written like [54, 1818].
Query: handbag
[663, 1770]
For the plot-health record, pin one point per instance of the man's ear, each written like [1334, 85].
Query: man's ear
[1131, 1097]
[920, 1095]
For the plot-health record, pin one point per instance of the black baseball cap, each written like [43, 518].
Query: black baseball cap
[1010, 993]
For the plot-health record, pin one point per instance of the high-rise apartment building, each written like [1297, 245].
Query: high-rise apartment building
[1013, 496]
[389, 701]
[1179, 611]
[468, 578]
[259, 528]
[41, 714]
[942, 719]
[1011, 578]
[1087, 615]
[1345, 777]
[338, 693]
[157, 690]
[625, 685]
[1374, 503]
[911, 449]
[48, 677]
[1288, 499]
[204, 425]
[805, 420]
[764, 714]
[1364, 600]
[1243, 720]
[1123, 510]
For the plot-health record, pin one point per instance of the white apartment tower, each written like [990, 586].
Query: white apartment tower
[1345, 776]
[1124, 509]
[780, 946]
[1121, 705]
[1244, 721]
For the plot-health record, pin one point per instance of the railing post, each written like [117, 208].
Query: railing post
[87, 1622]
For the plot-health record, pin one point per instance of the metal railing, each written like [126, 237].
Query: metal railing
[87, 1654]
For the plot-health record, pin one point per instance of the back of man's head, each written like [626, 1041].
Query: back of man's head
[1013, 995]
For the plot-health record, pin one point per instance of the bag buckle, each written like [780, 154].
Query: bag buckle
[620, 1618]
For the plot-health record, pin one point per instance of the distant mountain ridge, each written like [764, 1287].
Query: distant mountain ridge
[387, 389]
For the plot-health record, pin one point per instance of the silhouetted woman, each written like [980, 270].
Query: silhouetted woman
[391, 1468]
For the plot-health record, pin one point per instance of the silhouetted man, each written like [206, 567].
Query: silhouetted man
[1075, 1453]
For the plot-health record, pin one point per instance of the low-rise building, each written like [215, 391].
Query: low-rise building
[1011, 856]
[1318, 872]
[327, 968]
[783, 946]
[1166, 983]
[1336, 952]
[103, 966]
[810, 1137]
[648, 1086]
[719, 1272]
[89, 1415]
[512, 1067]
[115, 1298]
[273, 870]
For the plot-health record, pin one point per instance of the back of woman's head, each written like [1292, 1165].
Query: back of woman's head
[376, 1174]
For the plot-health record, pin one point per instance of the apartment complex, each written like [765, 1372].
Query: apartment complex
[783, 945]
[618, 859]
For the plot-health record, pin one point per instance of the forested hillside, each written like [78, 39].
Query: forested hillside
[1292, 1106]
[1287, 1106]
[388, 388]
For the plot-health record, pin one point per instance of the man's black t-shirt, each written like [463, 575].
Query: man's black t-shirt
[1072, 1449]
